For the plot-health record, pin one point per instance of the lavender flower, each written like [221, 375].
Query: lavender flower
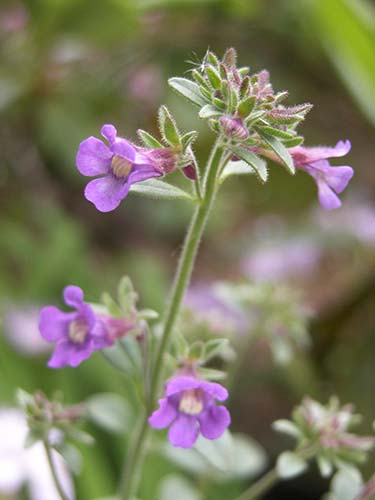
[189, 409]
[210, 309]
[77, 334]
[121, 164]
[330, 180]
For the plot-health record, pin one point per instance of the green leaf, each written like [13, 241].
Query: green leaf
[213, 77]
[176, 486]
[110, 412]
[230, 457]
[160, 190]
[296, 141]
[212, 374]
[254, 161]
[215, 347]
[148, 314]
[246, 106]
[188, 89]
[188, 139]
[112, 307]
[168, 127]
[208, 111]
[286, 427]
[199, 78]
[275, 132]
[279, 149]
[219, 103]
[126, 294]
[290, 465]
[71, 455]
[148, 140]
[238, 167]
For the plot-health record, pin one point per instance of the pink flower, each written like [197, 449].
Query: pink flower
[330, 180]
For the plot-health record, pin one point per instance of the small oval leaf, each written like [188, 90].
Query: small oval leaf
[188, 89]
[160, 190]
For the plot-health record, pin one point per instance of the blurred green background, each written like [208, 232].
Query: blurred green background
[67, 67]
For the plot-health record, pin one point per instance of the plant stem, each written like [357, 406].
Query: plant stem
[51, 464]
[181, 281]
[268, 480]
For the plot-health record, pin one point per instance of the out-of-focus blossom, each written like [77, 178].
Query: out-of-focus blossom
[279, 260]
[189, 408]
[209, 307]
[329, 180]
[20, 465]
[145, 84]
[327, 428]
[21, 330]
[368, 491]
[13, 19]
[120, 165]
[356, 218]
[77, 334]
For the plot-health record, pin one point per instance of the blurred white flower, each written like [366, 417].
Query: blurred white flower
[19, 465]
[21, 330]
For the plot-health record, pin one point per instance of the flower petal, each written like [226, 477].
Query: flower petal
[214, 421]
[327, 198]
[215, 390]
[184, 431]
[53, 323]
[338, 178]
[140, 173]
[182, 383]
[302, 155]
[73, 296]
[93, 157]
[109, 132]
[164, 415]
[124, 148]
[80, 353]
[106, 193]
[62, 354]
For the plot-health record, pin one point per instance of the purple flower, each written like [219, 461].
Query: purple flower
[77, 334]
[121, 165]
[330, 180]
[189, 409]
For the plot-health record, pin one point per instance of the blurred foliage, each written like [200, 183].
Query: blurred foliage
[67, 67]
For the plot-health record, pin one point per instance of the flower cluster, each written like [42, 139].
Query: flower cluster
[189, 409]
[77, 334]
[327, 428]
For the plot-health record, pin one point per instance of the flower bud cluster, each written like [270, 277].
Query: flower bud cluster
[327, 428]
[244, 107]
[44, 416]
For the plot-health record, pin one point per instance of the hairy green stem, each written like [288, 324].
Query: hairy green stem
[268, 480]
[181, 281]
[52, 467]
